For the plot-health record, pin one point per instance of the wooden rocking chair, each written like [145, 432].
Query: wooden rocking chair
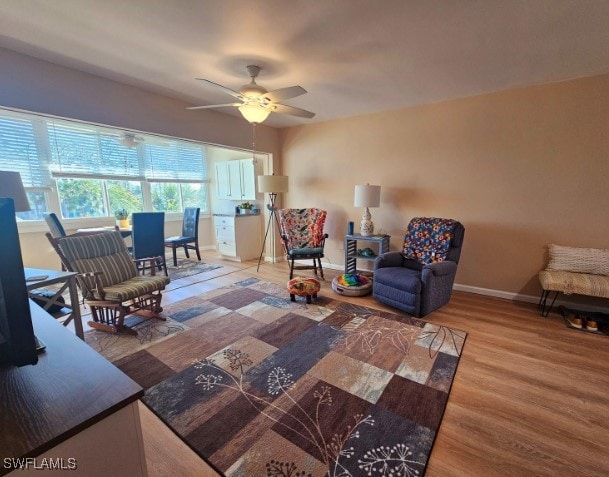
[108, 279]
[303, 237]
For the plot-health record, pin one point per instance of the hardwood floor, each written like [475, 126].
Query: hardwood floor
[530, 396]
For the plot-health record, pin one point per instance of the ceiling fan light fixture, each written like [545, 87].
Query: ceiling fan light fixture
[130, 141]
[252, 90]
[257, 102]
[253, 112]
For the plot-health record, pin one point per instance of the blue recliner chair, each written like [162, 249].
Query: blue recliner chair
[420, 279]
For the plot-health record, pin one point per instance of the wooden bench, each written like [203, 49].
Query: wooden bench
[574, 271]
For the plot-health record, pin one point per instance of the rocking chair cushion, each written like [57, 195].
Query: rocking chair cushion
[307, 251]
[133, 288]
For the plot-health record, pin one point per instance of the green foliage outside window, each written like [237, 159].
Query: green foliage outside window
[81, 198]
[165, 197]
[125, 195]
[193, 195]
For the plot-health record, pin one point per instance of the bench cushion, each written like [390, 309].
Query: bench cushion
[575, 283]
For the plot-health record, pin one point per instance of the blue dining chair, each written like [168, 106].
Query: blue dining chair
[54, 224]
[190, 235]
[148, 236]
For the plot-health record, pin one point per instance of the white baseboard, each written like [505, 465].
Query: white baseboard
[496, 293]
[561, 300]
[334, 266]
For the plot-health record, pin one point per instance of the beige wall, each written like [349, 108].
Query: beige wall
[520, 169]
[38, 86]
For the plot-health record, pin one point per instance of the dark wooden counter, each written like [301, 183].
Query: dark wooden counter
[71, 388]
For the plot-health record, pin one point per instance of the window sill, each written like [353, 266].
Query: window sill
[71, 225]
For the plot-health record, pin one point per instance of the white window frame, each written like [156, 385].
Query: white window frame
[41, 136]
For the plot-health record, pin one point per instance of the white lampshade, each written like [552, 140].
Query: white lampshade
[11, 187]
[273, 184]
[367, 195]
[253, 112]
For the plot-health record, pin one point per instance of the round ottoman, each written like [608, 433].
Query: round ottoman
[350, 284]
[307, 287]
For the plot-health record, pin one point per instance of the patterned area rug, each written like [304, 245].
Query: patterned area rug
[261, 386]
[187, 267]
[150, 331]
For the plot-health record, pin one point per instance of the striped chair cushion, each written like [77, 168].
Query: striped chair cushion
[134, 287]
[104, 252]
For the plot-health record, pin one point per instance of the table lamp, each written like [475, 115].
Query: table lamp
[17, 340]
[367, 195]
[11, 187]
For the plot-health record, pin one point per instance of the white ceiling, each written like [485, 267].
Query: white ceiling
[353, 56]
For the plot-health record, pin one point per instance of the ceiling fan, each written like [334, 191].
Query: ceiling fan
[256, 102]
[130, 140]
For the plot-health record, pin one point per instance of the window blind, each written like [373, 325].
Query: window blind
[19, 151]
[88, 151]
[175, 161]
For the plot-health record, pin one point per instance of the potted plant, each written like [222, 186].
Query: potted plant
[121, 218]
[246, 207]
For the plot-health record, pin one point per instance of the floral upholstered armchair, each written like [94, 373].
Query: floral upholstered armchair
[303, 237]
[419, 279]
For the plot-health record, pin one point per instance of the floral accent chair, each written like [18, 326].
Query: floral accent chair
[303, 237]
[419, 279]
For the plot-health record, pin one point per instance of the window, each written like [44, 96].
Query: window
[20, 151]
[88, 172]
[173, 197]
[176, 174]
[125, 195]
[81, 198]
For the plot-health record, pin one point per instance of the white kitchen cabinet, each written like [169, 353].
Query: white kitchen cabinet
[236, 180]
[238, 237]
[248, 179]
[222, 180]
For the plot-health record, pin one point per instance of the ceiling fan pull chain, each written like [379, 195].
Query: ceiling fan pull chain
[254, 142]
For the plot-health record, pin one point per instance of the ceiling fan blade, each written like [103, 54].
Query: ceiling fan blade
[209, 106]
[223, 88]
[284, 93]
[284, 109]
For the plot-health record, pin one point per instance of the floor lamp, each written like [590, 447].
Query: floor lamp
[272, 185]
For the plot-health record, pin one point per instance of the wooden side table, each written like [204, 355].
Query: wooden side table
[68, 280]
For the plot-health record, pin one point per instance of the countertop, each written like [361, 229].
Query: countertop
[235, 215]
